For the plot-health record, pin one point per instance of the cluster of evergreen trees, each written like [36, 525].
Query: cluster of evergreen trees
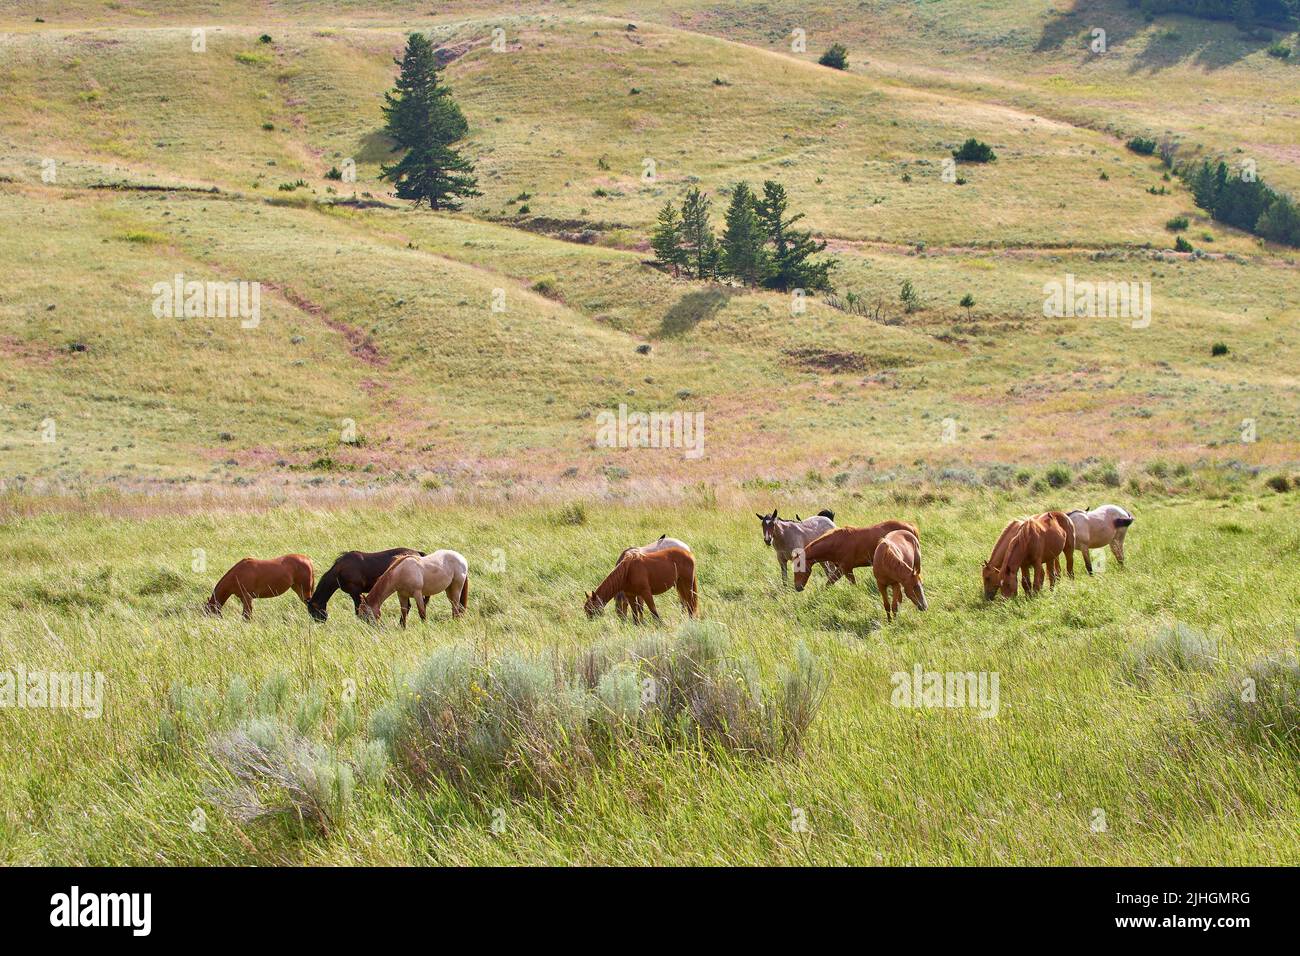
[1245, 203]
[759, 245]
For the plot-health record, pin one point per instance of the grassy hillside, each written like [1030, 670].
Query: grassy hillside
[1096, 708]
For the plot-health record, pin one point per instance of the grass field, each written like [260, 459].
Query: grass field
[1077, 728]
[439, 379]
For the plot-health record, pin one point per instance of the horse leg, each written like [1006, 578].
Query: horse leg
[898, 597]
[1053, 570]
[422, 605]
[1038, 577]
[650, 603]
[636, 609]
[356, 601]
[884, 599]
[621, 604]
[248, 606]
[785, 572]
[848, 573]
[1087, 560]
[1117, 548]
[406, 607]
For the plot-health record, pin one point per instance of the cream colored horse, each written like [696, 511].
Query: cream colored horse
[420, 578]
[1099, 527]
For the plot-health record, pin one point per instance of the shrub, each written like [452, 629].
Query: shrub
[1279, 50]
[973, 151]
[1058, 476]
[909, 297]
[264, 38]
[1279, 483]
[1141, 145]
[538, 725]
[1219, 348]
[1177, 647]
[836, 57]
[334, 173]
[546, 285]
[1261, 703]
[1177, 224]
[572, 514]
[1182, 245]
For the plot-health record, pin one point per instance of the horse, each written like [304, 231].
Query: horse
[845, 549]
[262, 578]
[1038, 544]
[621, 603]
[420, 577]
[643, 574]
[786, 537]
[897, 566]
[1098, 527]
[992, 570]
[354, 573]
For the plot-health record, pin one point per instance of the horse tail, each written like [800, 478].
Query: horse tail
[826, 513]
[1123, 522]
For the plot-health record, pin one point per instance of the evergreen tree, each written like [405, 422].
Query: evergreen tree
[424, 121]
[667, 239]
[743, 255]
[699, 246]
[791, 248]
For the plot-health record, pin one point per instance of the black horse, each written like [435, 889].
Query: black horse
[353, 573]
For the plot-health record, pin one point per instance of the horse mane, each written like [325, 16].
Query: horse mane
[613, 582]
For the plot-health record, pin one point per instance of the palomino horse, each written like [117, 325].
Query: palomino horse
[1038, 543]
[897, 566]
[1098, 527]
[643, 574]
[786, 537]
[258, 578]
[621, 603]
[354, 573]
[844, 549]
[420, 577]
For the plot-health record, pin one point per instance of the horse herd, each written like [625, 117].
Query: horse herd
[1028, 546]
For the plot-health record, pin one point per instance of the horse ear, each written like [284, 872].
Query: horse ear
[760, 517]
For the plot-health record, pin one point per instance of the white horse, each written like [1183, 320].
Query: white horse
[621, 603]
[1099, 527]
[420, 578]
[786, 537]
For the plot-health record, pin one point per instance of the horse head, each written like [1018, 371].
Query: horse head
[915, 592]
[992, 580]
[593, 605]
[769, 526]
[317, 612]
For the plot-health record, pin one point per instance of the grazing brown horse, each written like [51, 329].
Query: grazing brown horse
[992, 570]
[354, 573]
[1038, 544]
[621, 603]
[845, 549]
[258, 578]
[897, 566]
[643, 574]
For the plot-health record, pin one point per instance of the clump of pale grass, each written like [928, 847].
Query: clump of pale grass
[1260, 704]
[1175, 647]
[536, 725]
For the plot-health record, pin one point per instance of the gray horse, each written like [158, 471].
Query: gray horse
[786, 537]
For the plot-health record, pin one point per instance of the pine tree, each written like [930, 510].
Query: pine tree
[743, 255]
[667, 239]
[790, 265]
[699, 246]
[424, 121]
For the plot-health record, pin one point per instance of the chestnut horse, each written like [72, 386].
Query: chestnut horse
[844, 549]
[258, 578]
[643, 574]
[992, 570]
[621, 602]
[1038, 544]
[420, 577]
[354, 573]
[897, 565]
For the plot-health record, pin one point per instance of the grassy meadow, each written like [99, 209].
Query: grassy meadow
[437, 380]
[1095, 709]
